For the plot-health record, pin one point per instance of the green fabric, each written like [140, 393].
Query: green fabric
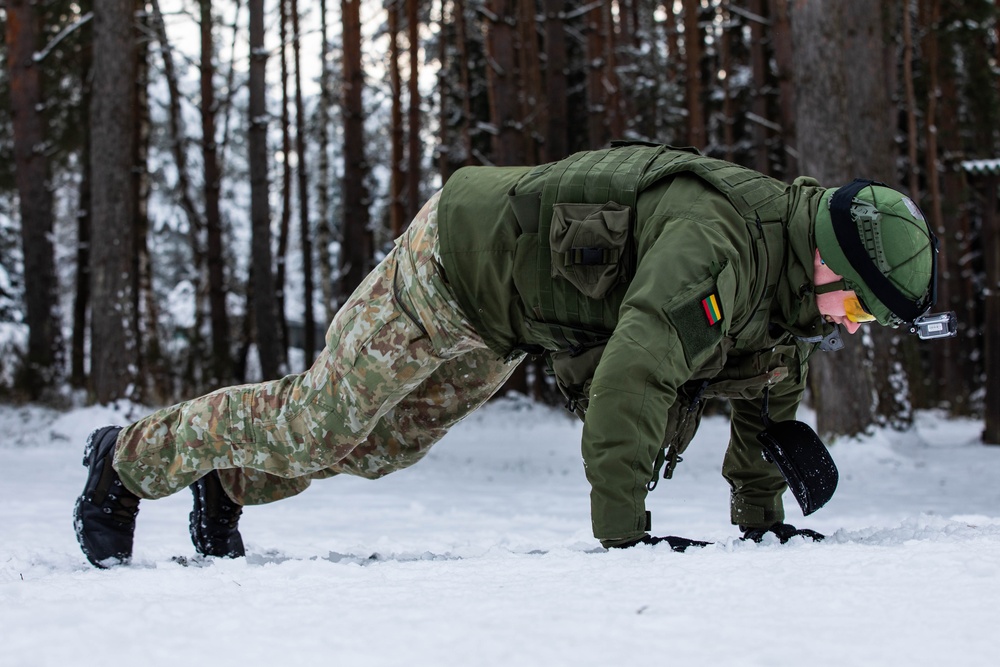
[701, 226]
[896, 236]
[479, 240]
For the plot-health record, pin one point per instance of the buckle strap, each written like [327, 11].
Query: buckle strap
[590, 256]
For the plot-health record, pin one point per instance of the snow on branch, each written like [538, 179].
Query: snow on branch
[63, 34]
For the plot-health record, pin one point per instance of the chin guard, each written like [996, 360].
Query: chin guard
[802, 458]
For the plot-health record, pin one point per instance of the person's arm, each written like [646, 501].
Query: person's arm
[633, 388]
[663, 334]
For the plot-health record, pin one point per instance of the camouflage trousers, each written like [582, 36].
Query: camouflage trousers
[401, 365]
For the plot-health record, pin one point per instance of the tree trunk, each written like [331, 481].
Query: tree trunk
[81, 295]
[357, 242]
[114, 347]
[285, 219]
[991, 324]
[221, 354]
[759, 67]
[153, 384]
[443, 90]
[178, 135]
[556, 144]
[615, 104]
[532, 110]
[463, 64]
[827, 116]
[725, 62]
[954, 287]
[912, 146]
[692, 65]
[626, 57]
[305, 229]
[185, 195]
[42, 369]
[949, 378]
[670, 27]
[874, 154]
[962, 73]
[503, 84]
[397, 208]
[996, 35]
[415, 148]
[597, 107]
[231, 86]
[324, 230]
[781, 33]
[265, 311]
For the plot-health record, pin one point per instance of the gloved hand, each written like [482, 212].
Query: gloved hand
[676, 543]
[784, 531]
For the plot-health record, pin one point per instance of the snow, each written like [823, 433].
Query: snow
[981, 166]
[486, 558]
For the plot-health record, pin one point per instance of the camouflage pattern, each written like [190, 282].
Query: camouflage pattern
[401, 365]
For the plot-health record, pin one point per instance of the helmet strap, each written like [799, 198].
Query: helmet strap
[835, 286]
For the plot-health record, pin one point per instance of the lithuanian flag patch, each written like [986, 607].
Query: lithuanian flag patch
[710, 304]
[695, 315]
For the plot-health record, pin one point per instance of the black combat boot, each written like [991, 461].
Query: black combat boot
[214, 521]
[104, 516]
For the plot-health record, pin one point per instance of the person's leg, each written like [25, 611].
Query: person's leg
[405, 433]
[469, 373]
[286, 428]
[394, 332]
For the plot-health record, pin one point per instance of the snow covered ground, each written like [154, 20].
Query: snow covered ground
[486, 558]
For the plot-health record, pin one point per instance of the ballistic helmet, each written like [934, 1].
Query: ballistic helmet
[880, 242]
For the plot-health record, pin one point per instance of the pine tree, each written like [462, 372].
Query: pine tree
[114, 320]
[42, 369]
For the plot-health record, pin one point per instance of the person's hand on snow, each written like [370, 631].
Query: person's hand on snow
[784, 532]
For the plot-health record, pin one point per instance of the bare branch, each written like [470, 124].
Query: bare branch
[63, 34]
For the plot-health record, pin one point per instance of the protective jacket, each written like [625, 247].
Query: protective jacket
[649, 278]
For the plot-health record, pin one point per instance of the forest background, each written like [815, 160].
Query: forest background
[189, 188]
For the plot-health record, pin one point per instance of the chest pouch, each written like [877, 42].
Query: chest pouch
[587, 243]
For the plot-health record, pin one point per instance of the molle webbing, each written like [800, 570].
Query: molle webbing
[620, 174]
[750, 192]
[586, 178]
[758, 199]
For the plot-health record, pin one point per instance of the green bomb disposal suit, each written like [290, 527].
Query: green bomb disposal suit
[650, 279]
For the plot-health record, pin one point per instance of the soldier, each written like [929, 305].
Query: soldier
[648, 278]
